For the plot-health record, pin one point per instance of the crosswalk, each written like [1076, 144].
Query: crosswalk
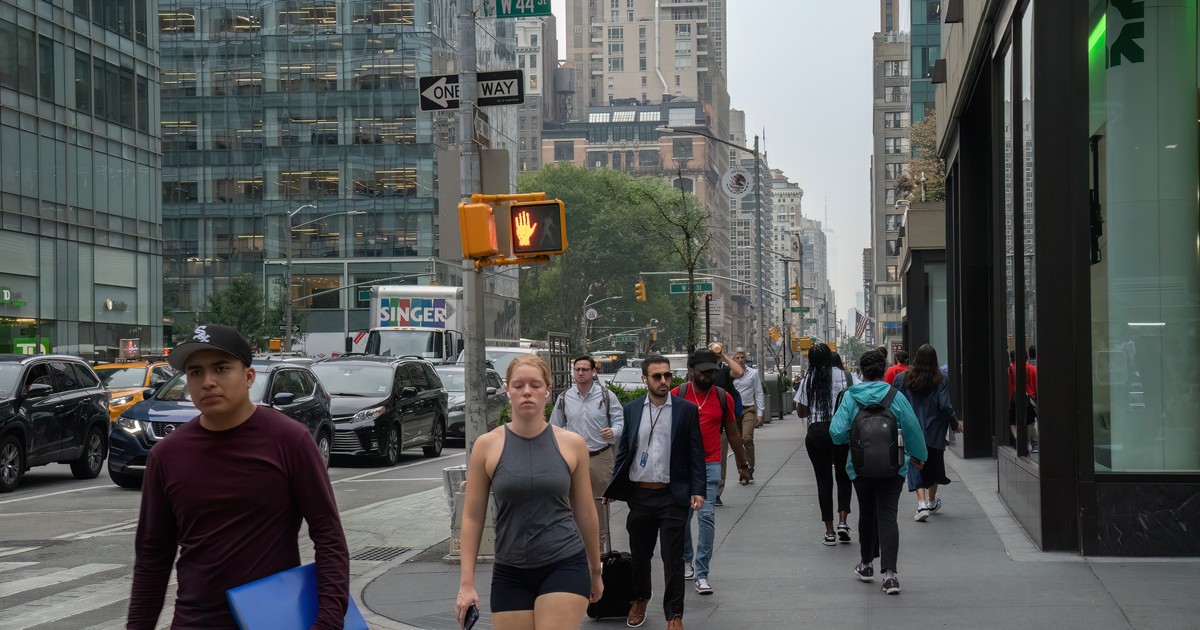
[88, 596]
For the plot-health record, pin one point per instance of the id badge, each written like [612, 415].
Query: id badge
[645, 458]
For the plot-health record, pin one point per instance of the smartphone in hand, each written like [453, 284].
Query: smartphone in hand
[471, 617]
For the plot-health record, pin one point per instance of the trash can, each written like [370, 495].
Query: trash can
[773, 397]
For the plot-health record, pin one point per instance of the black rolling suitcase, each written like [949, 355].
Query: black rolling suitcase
[616, 568]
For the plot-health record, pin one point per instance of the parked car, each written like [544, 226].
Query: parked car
[383, 405]
[454, 382]
[499, 357]
[291, 388]
[628, 378]
[52, 409]
[126, 382]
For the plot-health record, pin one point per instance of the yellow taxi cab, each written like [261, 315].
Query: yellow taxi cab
[126, 382]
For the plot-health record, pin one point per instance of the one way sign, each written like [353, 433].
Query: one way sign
[502, 87]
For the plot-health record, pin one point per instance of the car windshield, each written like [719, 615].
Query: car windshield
[628, 375]
[119, 377]
[9, 372]
[176, 389]
[344, 379]
[500, 359]
[452, 380]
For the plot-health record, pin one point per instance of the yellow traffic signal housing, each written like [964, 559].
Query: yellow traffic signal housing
[477, 224]
[832, 346]
[640, 290]
[805, 343]
[538, 228]
[653, 335]
[774, 333]
[795, 292]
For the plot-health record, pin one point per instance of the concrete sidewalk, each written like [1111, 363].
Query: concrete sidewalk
[969, 566]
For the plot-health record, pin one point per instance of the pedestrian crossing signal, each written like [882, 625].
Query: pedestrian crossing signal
[538, 228]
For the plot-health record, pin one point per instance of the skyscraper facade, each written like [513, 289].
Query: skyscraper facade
[892, 154]
[537, 55]
[926, 46]
[292, 134]
[80, 223]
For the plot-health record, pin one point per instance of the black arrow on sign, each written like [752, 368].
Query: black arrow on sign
[1125, 46]
[1130, 9]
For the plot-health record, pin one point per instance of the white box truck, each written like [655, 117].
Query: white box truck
[416, 320]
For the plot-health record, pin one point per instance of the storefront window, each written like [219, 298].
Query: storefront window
[1145, 276]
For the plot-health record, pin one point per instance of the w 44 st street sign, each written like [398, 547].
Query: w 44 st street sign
[521, 8]
[698, 287]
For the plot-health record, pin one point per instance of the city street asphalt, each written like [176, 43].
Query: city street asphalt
[969, 566]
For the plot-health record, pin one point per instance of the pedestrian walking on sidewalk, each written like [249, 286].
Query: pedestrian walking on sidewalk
[728, 371]
[869, 408]
[749, 387]
[547, 560]
[227, 492]
[901, 364]
[717, 416]
[594, 412]
[659, 471]
[928, 391]
[815, 399]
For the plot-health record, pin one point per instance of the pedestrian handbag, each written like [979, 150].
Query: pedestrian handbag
[616, 569]
[284, 601]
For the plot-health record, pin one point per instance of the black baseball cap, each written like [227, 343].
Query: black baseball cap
[703, 360]
[212, 337]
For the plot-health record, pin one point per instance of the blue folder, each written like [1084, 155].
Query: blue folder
[284, 601]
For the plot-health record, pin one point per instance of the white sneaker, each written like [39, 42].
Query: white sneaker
[689, 572]
[703, 587]
[922, 513]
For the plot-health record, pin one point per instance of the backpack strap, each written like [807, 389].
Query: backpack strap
[891, 395]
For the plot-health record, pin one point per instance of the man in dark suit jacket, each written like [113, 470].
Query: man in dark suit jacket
[659, 471]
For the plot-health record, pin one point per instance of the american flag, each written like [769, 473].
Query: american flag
[861, 323]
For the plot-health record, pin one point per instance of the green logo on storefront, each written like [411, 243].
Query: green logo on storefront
[9, 298]
[1126, 44]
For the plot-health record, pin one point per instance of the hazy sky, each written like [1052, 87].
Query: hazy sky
[801, 70]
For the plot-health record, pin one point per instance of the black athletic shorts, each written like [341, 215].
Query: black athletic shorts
[514, 588]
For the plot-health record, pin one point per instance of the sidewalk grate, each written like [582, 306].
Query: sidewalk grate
[380, 554]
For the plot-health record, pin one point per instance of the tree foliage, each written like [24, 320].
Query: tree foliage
[926, 160]
[240, 305]
[610, 216]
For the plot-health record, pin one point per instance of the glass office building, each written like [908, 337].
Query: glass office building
[1077, 122]
[80, 221]
[310, 108]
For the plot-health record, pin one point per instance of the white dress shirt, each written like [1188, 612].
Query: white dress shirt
[653, 445]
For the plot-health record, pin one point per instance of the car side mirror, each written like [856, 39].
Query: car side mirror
[408, 391]
[491, 390]
[38, 390]
[282, 399]
[149, 392]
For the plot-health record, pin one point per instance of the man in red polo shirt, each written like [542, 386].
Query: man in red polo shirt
[901, 365]
[716, 415]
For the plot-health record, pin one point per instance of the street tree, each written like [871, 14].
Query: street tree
[926, 160]
[604, 257]
[239, 305]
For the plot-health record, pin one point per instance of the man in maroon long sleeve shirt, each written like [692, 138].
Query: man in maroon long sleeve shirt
[228, 491]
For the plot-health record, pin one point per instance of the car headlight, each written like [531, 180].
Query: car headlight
[130, 426]
[370, 414]
[121, 400]
[459, 407]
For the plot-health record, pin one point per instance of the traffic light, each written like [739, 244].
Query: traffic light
[477, 224]
[795, 292]
[653, 335]
[640, 290]
[538, 228]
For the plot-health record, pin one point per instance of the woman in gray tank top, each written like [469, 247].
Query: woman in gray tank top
[547, 563]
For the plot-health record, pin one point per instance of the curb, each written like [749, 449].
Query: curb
[358, 587]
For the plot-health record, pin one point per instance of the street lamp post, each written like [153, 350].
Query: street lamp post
[759, 308]
[287, 269]
[583, 320]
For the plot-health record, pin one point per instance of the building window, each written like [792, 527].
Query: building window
[616, 33]
[642, 68]
[892, 171]
[533, 39]
[683, 46]
[895, 68]
[683, 62]
[641, 32]
[896, 146]
[895, 94]
[616, 64]
[177, 21]
[681, 148]
[893, 247]
[520, 61]
[889, 197]
[894, 221]
[532, 61]
[564, 151]
[683, 30]
[83, 82]
[895, 120]
[649, 160]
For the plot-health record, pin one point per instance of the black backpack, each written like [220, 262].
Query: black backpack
[876, 444]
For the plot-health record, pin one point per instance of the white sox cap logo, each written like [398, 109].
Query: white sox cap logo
[200, 334]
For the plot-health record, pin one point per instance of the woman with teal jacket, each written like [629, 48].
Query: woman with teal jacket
[878, 531]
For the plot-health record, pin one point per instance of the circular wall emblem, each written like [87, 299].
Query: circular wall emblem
[737, 182]
[591, 314]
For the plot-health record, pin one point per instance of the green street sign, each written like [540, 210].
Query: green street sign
[799, 309]
[699, 287]
[625, 338]
[522, 8]
[805, 309]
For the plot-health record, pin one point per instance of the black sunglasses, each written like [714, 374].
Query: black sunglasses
[662, 376]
